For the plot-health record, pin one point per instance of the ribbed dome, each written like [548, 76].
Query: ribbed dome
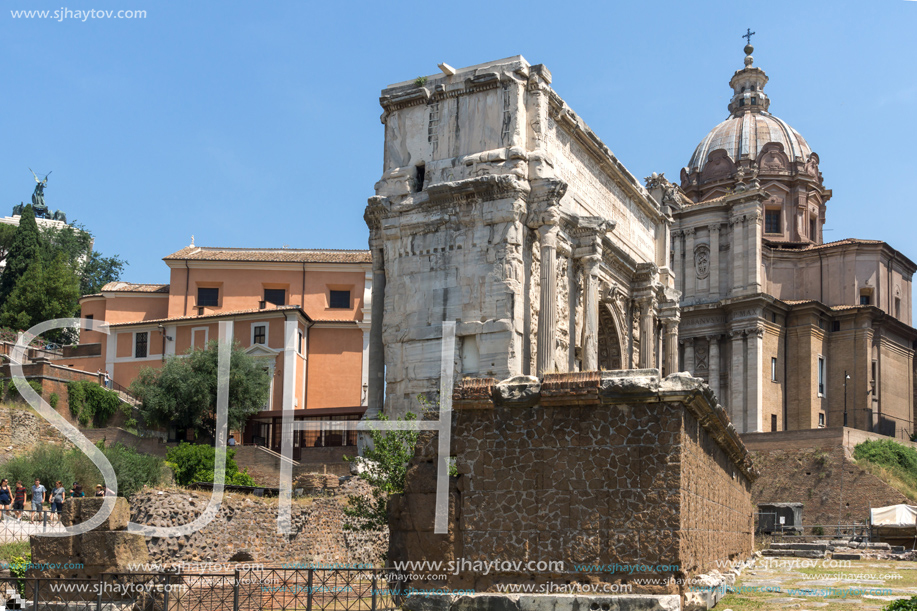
[746, 135]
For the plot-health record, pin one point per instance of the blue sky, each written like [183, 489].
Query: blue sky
[257, 124]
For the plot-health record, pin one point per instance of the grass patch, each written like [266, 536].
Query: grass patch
[11, 551]
[890, 477]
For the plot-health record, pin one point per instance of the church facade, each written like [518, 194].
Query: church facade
[499, 209]
[782, 325]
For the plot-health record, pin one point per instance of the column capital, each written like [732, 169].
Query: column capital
[737, 219]
[714, 227]
[714, 338]
[686, 341]
[735, 334]
[688, 231]
[677, 233]
[758, 331]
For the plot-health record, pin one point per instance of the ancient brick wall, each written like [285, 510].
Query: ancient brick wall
[715, 521]
[249, 524]
[588, 469]
[22, 429]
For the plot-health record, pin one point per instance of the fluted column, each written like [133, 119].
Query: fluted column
[690, 272]
[647, 332]
[754, 396]
[591, 314]
[671, 346]
[375, 393]
[714, 259]
[547, 315]
[713, 376]
[737, 253]
[689, 354]
[737, 386]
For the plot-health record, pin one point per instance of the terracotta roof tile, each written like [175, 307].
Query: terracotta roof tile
[270, 255]
[129, 287]
[210, 316]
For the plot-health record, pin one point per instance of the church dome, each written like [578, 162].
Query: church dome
[749, 141]
[745, 135]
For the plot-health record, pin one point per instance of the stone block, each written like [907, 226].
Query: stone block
[842, 556]
[77, 511]
[54, 549]
[118, 548]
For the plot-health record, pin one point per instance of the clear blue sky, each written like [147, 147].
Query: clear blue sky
[257, 124]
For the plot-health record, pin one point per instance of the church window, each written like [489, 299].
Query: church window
[339, 299]
[898, 308]
[812, 229]
[419, 177]
[865, 298]
[835, 325]
[821, 376]
[773, 369]
[276, 296]
[772, 221]
[742, 102]
[754, 101]
[821, 420]
[773, 423]
[208, 297]
[140, 344]
[259, 333]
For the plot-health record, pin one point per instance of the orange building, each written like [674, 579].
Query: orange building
[305, 313]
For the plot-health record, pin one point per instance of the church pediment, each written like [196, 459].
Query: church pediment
[260, 350]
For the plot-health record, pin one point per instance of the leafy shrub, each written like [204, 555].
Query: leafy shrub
[195, 463]
[53, 399]
[818, 531]
[13, 389]
[902, 604]
[90, 403]
[51, 463]
[901, 461]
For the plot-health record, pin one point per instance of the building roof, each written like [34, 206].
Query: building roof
[130, 287]
[789, 245]
[214, 316]
[270, 255]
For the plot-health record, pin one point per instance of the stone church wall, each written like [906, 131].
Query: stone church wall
[585, 468]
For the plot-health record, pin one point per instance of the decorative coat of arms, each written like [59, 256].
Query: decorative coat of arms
[702, 261]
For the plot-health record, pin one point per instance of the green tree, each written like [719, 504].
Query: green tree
[385, 467]
[75, 243]
[98, 271]
[45, 291]
[195, 463]
[7, 235]
[24, 250]
[183, 393]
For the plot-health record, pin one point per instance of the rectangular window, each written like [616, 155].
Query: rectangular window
[140, 344]
[339, 299]
[773, 423]
[276, 296]
[835, 325]
[299, 342]
[897, 308]
[258, 335]
[821, 420]
[772, 221]
[812, 230]
[773, 369]
[821, 376]
[865, 299]
[208, 297]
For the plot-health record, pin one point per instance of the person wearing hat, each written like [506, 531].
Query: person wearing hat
[99, 490]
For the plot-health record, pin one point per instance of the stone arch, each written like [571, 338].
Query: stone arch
[611, 352]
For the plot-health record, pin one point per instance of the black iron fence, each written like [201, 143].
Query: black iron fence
[267, 589]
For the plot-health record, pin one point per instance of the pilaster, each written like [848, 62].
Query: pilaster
[714, 260]
[713, 376]
[690, 271]
[737, 387]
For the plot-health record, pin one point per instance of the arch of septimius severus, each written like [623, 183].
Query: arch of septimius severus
[499, 209]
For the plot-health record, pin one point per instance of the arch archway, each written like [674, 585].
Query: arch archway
[609, 344]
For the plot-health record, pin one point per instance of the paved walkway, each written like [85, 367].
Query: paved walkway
[779, 584]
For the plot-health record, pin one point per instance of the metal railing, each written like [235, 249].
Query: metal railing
[16, 525]
[242, 590]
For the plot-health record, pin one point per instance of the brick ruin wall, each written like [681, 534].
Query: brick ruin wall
[565, 477]
[248, 525]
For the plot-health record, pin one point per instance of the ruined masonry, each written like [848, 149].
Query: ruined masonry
[500, 209]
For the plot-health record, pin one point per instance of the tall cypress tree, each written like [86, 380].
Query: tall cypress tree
[25, 250]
